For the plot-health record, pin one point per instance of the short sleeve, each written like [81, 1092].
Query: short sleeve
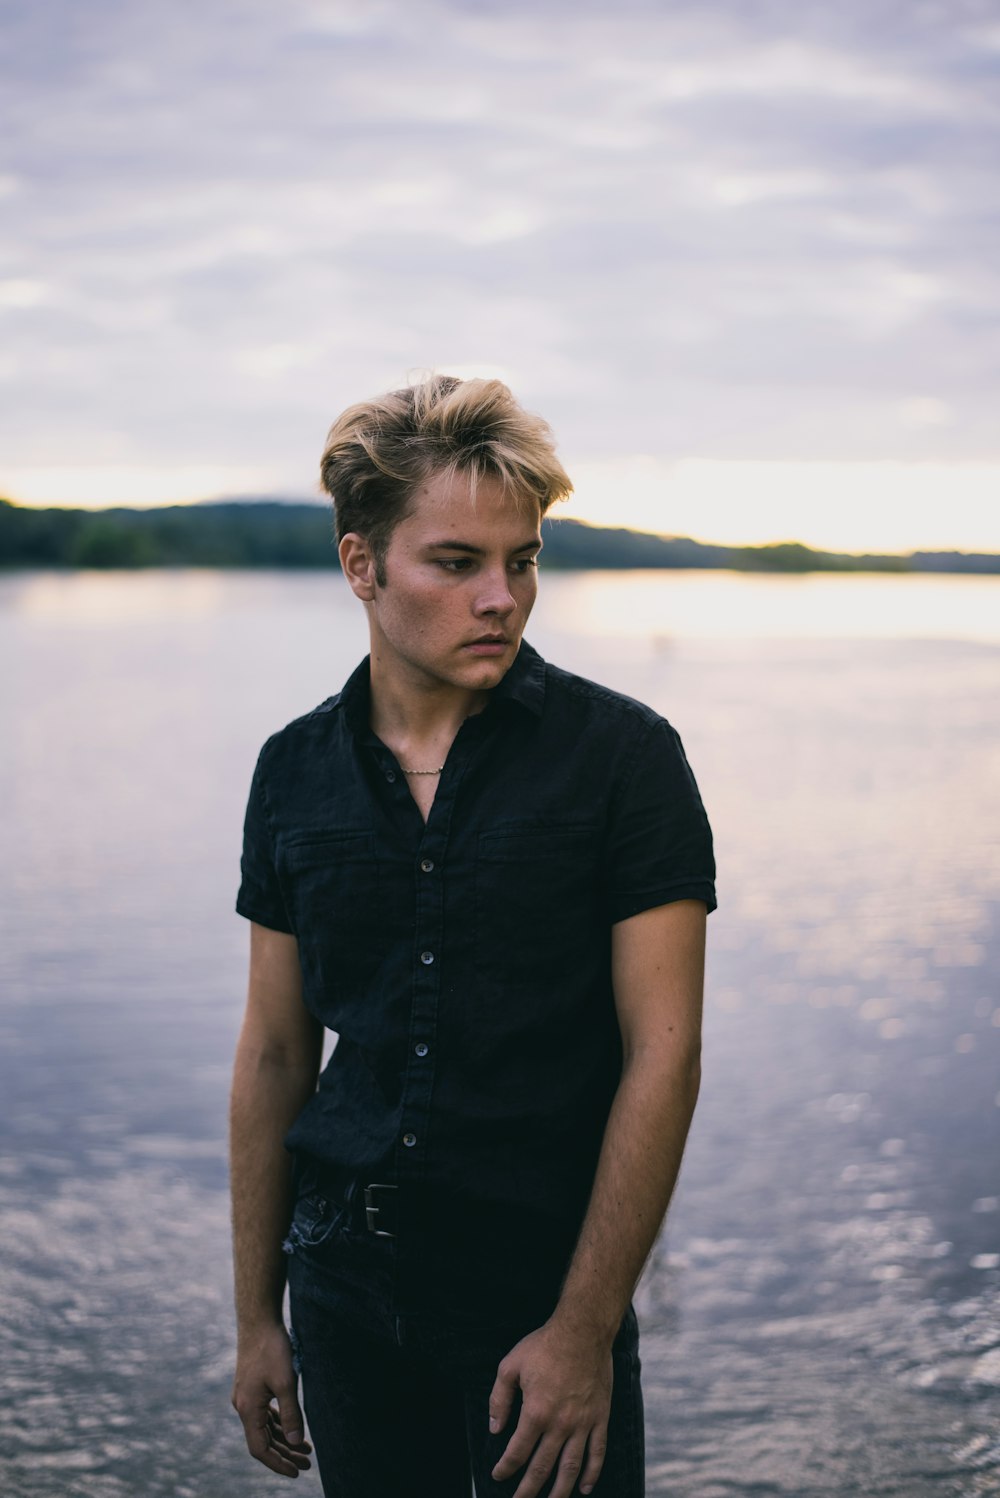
[260, 898]
[659, 845]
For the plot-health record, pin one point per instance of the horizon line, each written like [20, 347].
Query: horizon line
[322, 503]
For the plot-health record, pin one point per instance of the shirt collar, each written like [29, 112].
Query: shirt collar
[524, 683]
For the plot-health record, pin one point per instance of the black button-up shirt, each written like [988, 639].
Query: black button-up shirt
[465, 963]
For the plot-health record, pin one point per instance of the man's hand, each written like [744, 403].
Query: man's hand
[264, 1375]
[565, 1378]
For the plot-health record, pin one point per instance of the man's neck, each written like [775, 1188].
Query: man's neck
[407, 711]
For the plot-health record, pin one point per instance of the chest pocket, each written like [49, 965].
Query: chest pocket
[332, 885]
[537, 900]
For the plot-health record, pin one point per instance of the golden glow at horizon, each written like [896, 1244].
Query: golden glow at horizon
[100, 486]
[850, 507]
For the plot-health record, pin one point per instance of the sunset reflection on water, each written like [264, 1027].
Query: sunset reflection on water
[820, 1316]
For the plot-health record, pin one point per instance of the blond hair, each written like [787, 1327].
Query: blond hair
[379, 452]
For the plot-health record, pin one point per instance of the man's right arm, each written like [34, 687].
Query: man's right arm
[277, 1064]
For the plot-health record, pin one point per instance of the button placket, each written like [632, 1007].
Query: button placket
[428, 927]
[423, 1016]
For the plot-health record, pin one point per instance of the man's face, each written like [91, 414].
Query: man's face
[461, 580]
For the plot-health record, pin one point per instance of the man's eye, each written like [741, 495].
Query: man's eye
[454, 564]
[523, 563]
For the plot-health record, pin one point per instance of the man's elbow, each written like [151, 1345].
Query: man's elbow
[685, 1072]
[677, 1067]
[268, 1060]
[692, 1078]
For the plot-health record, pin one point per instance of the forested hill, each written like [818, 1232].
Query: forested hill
[274, 533]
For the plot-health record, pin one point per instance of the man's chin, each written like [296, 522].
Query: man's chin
[483, 672]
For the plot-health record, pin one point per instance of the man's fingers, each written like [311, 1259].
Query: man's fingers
[570, 1464]
[290, 1420]
[519, 1447]
[502, 1397]
[597, 1448]
[267, 1443]
[296, 1451]
[539, 1467]
[261, 1445]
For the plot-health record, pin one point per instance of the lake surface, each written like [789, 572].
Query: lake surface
[821, 1315]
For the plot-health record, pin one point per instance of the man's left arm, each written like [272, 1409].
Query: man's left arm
[564, 1368]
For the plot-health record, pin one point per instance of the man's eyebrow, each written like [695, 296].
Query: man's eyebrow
[478, 551]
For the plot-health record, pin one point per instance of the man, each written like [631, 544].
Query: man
[490, 878]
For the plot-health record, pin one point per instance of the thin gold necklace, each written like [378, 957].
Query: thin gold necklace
[423, 772]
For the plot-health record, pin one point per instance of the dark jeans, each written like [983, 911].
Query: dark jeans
[397, 1405]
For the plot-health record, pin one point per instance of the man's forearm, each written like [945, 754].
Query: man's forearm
[636, 1173]
[268, 1093]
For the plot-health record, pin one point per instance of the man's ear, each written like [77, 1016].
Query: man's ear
[358, 565]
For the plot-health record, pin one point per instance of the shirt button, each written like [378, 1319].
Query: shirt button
[426, 864]
[390, 775]
[427, 958]
[421, 1048]
[409, 1140]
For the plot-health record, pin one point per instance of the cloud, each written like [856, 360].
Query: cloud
[726, 231]
[925, 411]
[23, 292]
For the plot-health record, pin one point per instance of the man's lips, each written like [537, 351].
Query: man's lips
[488, 645]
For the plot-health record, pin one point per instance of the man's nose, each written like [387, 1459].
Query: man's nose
[496, 597]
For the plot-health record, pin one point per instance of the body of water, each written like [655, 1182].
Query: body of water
[821, 1315]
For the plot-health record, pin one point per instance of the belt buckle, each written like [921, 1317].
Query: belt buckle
[372, 1209]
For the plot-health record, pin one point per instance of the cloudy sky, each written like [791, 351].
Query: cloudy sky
[743, 254]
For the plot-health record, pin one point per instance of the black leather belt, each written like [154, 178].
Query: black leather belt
[380, 1209]
[371, 1207]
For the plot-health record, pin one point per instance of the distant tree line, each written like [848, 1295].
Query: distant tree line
[229, 534]
[274, 533]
